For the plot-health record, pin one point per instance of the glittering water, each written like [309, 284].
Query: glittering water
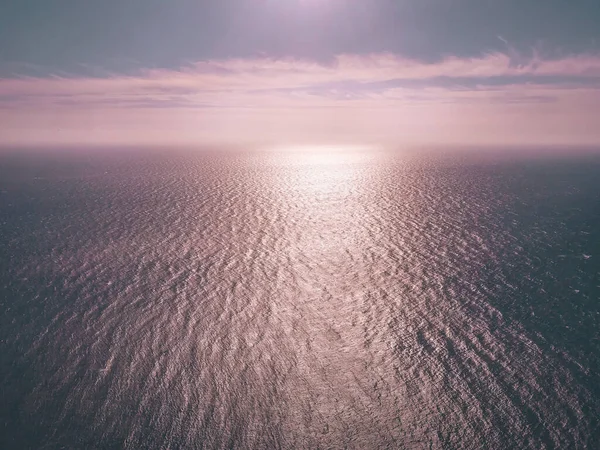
[299, 300]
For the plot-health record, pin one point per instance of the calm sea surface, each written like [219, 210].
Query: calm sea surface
[299, 300]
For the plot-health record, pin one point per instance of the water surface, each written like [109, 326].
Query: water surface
[299, 300]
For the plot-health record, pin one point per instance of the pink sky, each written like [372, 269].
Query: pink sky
[380, 98]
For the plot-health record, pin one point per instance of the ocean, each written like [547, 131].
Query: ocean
[299, 299]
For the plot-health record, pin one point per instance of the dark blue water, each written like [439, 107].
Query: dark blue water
[353, 299]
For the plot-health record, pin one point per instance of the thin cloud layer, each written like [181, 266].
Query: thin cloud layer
[252, 97]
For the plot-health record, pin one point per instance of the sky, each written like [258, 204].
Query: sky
[188, 72]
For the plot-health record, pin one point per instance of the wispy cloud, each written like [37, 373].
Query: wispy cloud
[252, 97]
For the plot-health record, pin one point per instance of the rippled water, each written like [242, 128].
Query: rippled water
[299, 300]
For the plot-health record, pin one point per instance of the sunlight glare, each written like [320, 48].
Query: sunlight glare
[326, 155]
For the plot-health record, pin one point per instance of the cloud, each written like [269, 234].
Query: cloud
[373, 97]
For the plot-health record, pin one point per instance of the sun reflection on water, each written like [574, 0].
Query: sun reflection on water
[327, 192]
